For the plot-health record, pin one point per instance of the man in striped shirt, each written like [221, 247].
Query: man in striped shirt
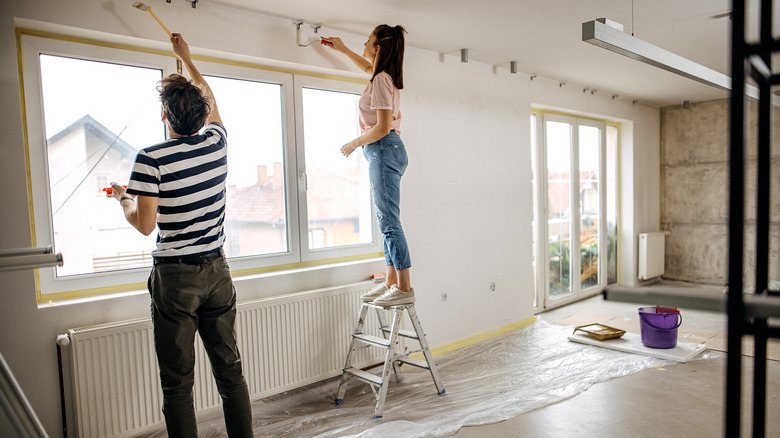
[179, 187]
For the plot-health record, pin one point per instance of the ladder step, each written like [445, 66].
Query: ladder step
[398, 307]
[365, 376]
[414, 362]
[401, 332]
[372, 340]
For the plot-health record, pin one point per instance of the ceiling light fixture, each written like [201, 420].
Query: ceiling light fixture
[600, 33]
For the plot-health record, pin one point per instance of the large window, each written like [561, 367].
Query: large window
[336, 189]
[93, 130]
[559, 225]
[291, 196]
[590, 189]
[574, 206]
[256, 212]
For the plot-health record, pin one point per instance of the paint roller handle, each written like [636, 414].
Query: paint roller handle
[110, 190]
[161, 23]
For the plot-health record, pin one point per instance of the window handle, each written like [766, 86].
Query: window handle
[304, 181]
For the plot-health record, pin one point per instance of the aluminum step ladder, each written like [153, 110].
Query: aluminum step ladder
[12, 399]
[393, 358]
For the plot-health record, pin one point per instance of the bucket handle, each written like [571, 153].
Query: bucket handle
[647, 321]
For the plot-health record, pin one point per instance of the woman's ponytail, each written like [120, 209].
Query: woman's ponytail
[391, 43]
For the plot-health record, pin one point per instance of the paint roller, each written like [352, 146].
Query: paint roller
[142, 7]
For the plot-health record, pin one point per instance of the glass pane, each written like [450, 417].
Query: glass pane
[338, 197]
[559, 139]
[97, 116]
[589, 159]
[612, 203]
[256, 213]
[533, 215]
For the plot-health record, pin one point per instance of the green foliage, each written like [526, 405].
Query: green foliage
[559, 267]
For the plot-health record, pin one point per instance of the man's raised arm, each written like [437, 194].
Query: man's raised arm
[182, 50]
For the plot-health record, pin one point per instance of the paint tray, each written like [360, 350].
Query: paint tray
[600, 332]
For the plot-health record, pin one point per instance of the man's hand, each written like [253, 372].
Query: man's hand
[140, 211]
[180, 47]
[182, 50]
[117, 191]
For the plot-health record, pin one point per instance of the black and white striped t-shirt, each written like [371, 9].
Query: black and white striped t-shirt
[188, 175]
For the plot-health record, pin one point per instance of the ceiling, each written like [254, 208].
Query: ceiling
[543, 36]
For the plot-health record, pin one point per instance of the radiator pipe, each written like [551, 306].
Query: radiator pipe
[61, 342]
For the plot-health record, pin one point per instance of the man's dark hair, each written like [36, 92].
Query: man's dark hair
[184, 103]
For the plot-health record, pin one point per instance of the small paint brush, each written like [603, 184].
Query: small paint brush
[142, 7]
[110, 190]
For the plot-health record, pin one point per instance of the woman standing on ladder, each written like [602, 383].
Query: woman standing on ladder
[380, 122]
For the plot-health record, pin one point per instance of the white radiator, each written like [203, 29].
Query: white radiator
[111, 385]
[651, 255]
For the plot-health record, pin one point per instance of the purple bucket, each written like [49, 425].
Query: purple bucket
[659, 330]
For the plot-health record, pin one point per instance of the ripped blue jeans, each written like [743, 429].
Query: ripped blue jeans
[387, 162]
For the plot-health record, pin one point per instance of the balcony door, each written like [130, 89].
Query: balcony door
[569, 175]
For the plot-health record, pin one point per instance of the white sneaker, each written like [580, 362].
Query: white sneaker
[395, 297]
[374, 293]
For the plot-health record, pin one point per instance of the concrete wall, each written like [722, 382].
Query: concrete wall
[695, 193]
[466, 206]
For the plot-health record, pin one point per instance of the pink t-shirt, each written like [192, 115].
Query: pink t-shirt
[380, 93]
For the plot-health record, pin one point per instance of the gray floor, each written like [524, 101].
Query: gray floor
[668, 400]
[683, 400]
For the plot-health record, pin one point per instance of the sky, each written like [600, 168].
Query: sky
[122, 98]
[559, 138]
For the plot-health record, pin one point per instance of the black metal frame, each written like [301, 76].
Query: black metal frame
[749, 61]
[747, 314]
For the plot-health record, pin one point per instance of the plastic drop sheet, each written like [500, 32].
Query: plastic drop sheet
[486, 382]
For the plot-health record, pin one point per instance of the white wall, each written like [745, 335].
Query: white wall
[467, 197]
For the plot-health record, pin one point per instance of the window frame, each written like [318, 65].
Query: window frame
[545, 302]
[308, 254]
[284, 80]
[616, 204]
[539, 213]
[602, 200]
[74, 287]
[48, 286]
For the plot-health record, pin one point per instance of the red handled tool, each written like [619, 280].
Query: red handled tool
[110, 190]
